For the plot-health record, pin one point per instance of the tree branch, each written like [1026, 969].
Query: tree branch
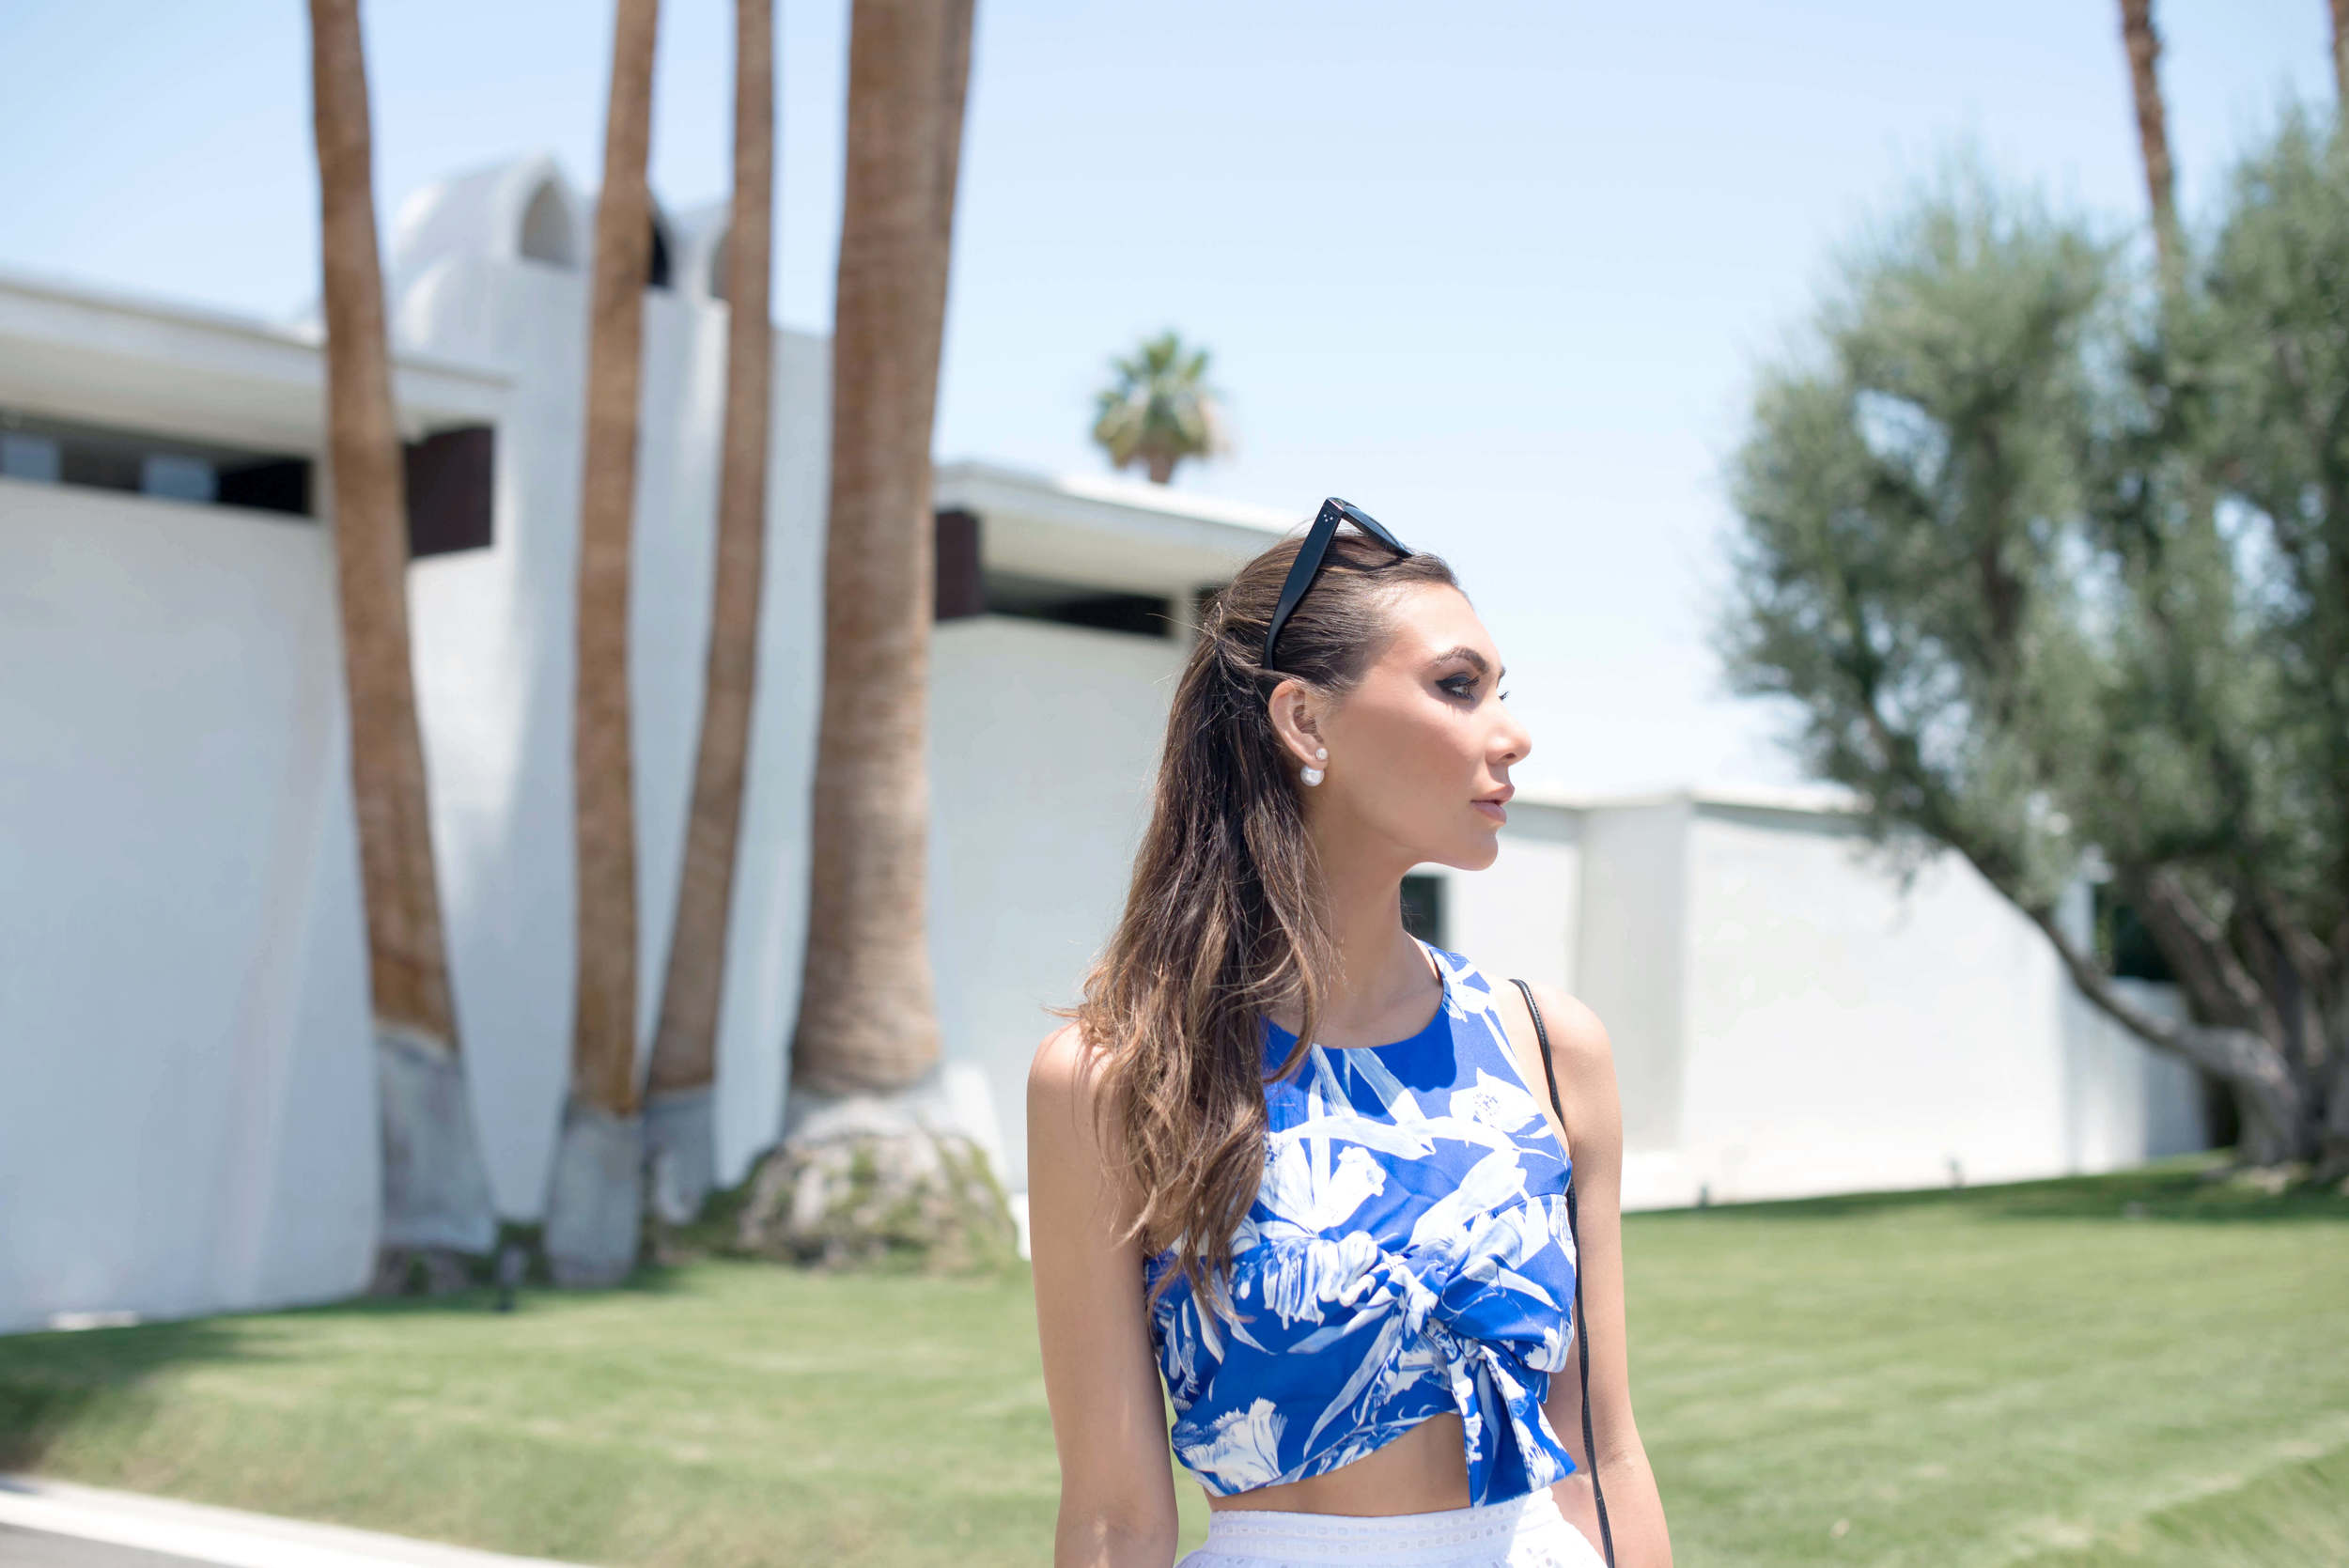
[2197, 948]
[2271, 1095]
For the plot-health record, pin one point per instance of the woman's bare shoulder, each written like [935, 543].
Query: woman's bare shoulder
[1578, 1040]
[1065, 1075]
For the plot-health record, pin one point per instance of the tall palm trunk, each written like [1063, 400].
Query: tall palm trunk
[593, 1210]
[2340, 53]
[2153, 134]
[869, 1016]
[684, 1051]
[435, 1194]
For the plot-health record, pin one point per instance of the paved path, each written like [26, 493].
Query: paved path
[34, 1548]
[55, 1524]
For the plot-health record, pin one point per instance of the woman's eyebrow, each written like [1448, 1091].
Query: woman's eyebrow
[1464, 651]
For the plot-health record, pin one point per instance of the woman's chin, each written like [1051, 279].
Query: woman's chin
[1479, 851]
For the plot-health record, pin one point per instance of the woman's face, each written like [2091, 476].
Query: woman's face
[1420, 751]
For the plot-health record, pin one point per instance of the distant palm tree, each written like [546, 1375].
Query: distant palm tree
[593, 1207]
[684, 1049]
[436, 1198]
[1160, 409]
[2152, 135]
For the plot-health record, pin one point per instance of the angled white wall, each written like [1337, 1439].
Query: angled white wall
[190, 1123]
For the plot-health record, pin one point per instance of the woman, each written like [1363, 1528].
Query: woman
[1352, 1262]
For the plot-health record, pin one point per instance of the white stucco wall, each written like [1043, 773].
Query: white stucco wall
[1631, 963]
[2123, 1102]
[1843, 1035]
[190, 1123]
[1846, 1034]
[1043, 741]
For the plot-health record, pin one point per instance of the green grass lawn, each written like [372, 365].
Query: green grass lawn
[2142, 1369]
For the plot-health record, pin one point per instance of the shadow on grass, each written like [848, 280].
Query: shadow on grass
[51, 1382]
[2193, 1189]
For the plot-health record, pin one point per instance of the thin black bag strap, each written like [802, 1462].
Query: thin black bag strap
[1582, 1322]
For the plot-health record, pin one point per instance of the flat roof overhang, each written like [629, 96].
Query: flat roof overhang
[73, 352]
[1110, 534]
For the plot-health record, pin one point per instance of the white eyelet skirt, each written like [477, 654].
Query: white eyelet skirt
[1522, 1532]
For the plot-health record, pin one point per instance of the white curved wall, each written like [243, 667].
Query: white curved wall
[191, 1121]
[550, 228]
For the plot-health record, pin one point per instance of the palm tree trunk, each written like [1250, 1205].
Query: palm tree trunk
[593, 1208]
[876, 1162]
[2341, 51]
[2153, 134]
[435, 1194]
[684, 1051]
[867, 1005]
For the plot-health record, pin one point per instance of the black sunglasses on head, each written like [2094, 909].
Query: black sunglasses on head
[1310, 555]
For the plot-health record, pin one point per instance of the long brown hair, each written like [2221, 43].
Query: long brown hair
[1225, 915]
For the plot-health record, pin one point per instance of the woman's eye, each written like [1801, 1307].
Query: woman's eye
[1460, 686]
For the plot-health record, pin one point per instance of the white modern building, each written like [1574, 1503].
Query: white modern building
[192, 1123]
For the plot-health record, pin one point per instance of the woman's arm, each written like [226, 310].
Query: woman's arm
[1594, 1137]
[1100, 1377]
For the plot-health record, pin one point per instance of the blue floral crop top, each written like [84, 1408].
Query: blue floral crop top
[1408, 1254]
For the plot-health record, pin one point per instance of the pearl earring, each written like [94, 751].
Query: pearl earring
[1314, 775]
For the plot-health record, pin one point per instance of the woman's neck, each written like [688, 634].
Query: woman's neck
[1384, 988]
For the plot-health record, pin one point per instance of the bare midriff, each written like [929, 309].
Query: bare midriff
[1423, 1472]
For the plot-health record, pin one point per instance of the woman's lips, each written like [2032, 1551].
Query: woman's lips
[1493, 809]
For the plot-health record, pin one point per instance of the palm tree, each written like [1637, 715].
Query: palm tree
[593, 1207]
[2152, 135]
[685, 1046]
[436, 1196]
[867, 1010]
[868, 1018]
[1159, 411]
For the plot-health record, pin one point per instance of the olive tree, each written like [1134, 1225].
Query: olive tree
[2051, 563]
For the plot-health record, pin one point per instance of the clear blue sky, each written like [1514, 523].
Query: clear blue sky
[1500, 278]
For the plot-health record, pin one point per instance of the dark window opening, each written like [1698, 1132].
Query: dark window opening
[27, 455]
[169, 468]
[1423, 908]
[451, 479]
[272, 485]
[1078, 604]
[961, 586]
[2124, 942]
[656, 274]
[2223, 1117]
[449, 474]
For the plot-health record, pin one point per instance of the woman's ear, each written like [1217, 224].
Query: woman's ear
[1297, 720]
